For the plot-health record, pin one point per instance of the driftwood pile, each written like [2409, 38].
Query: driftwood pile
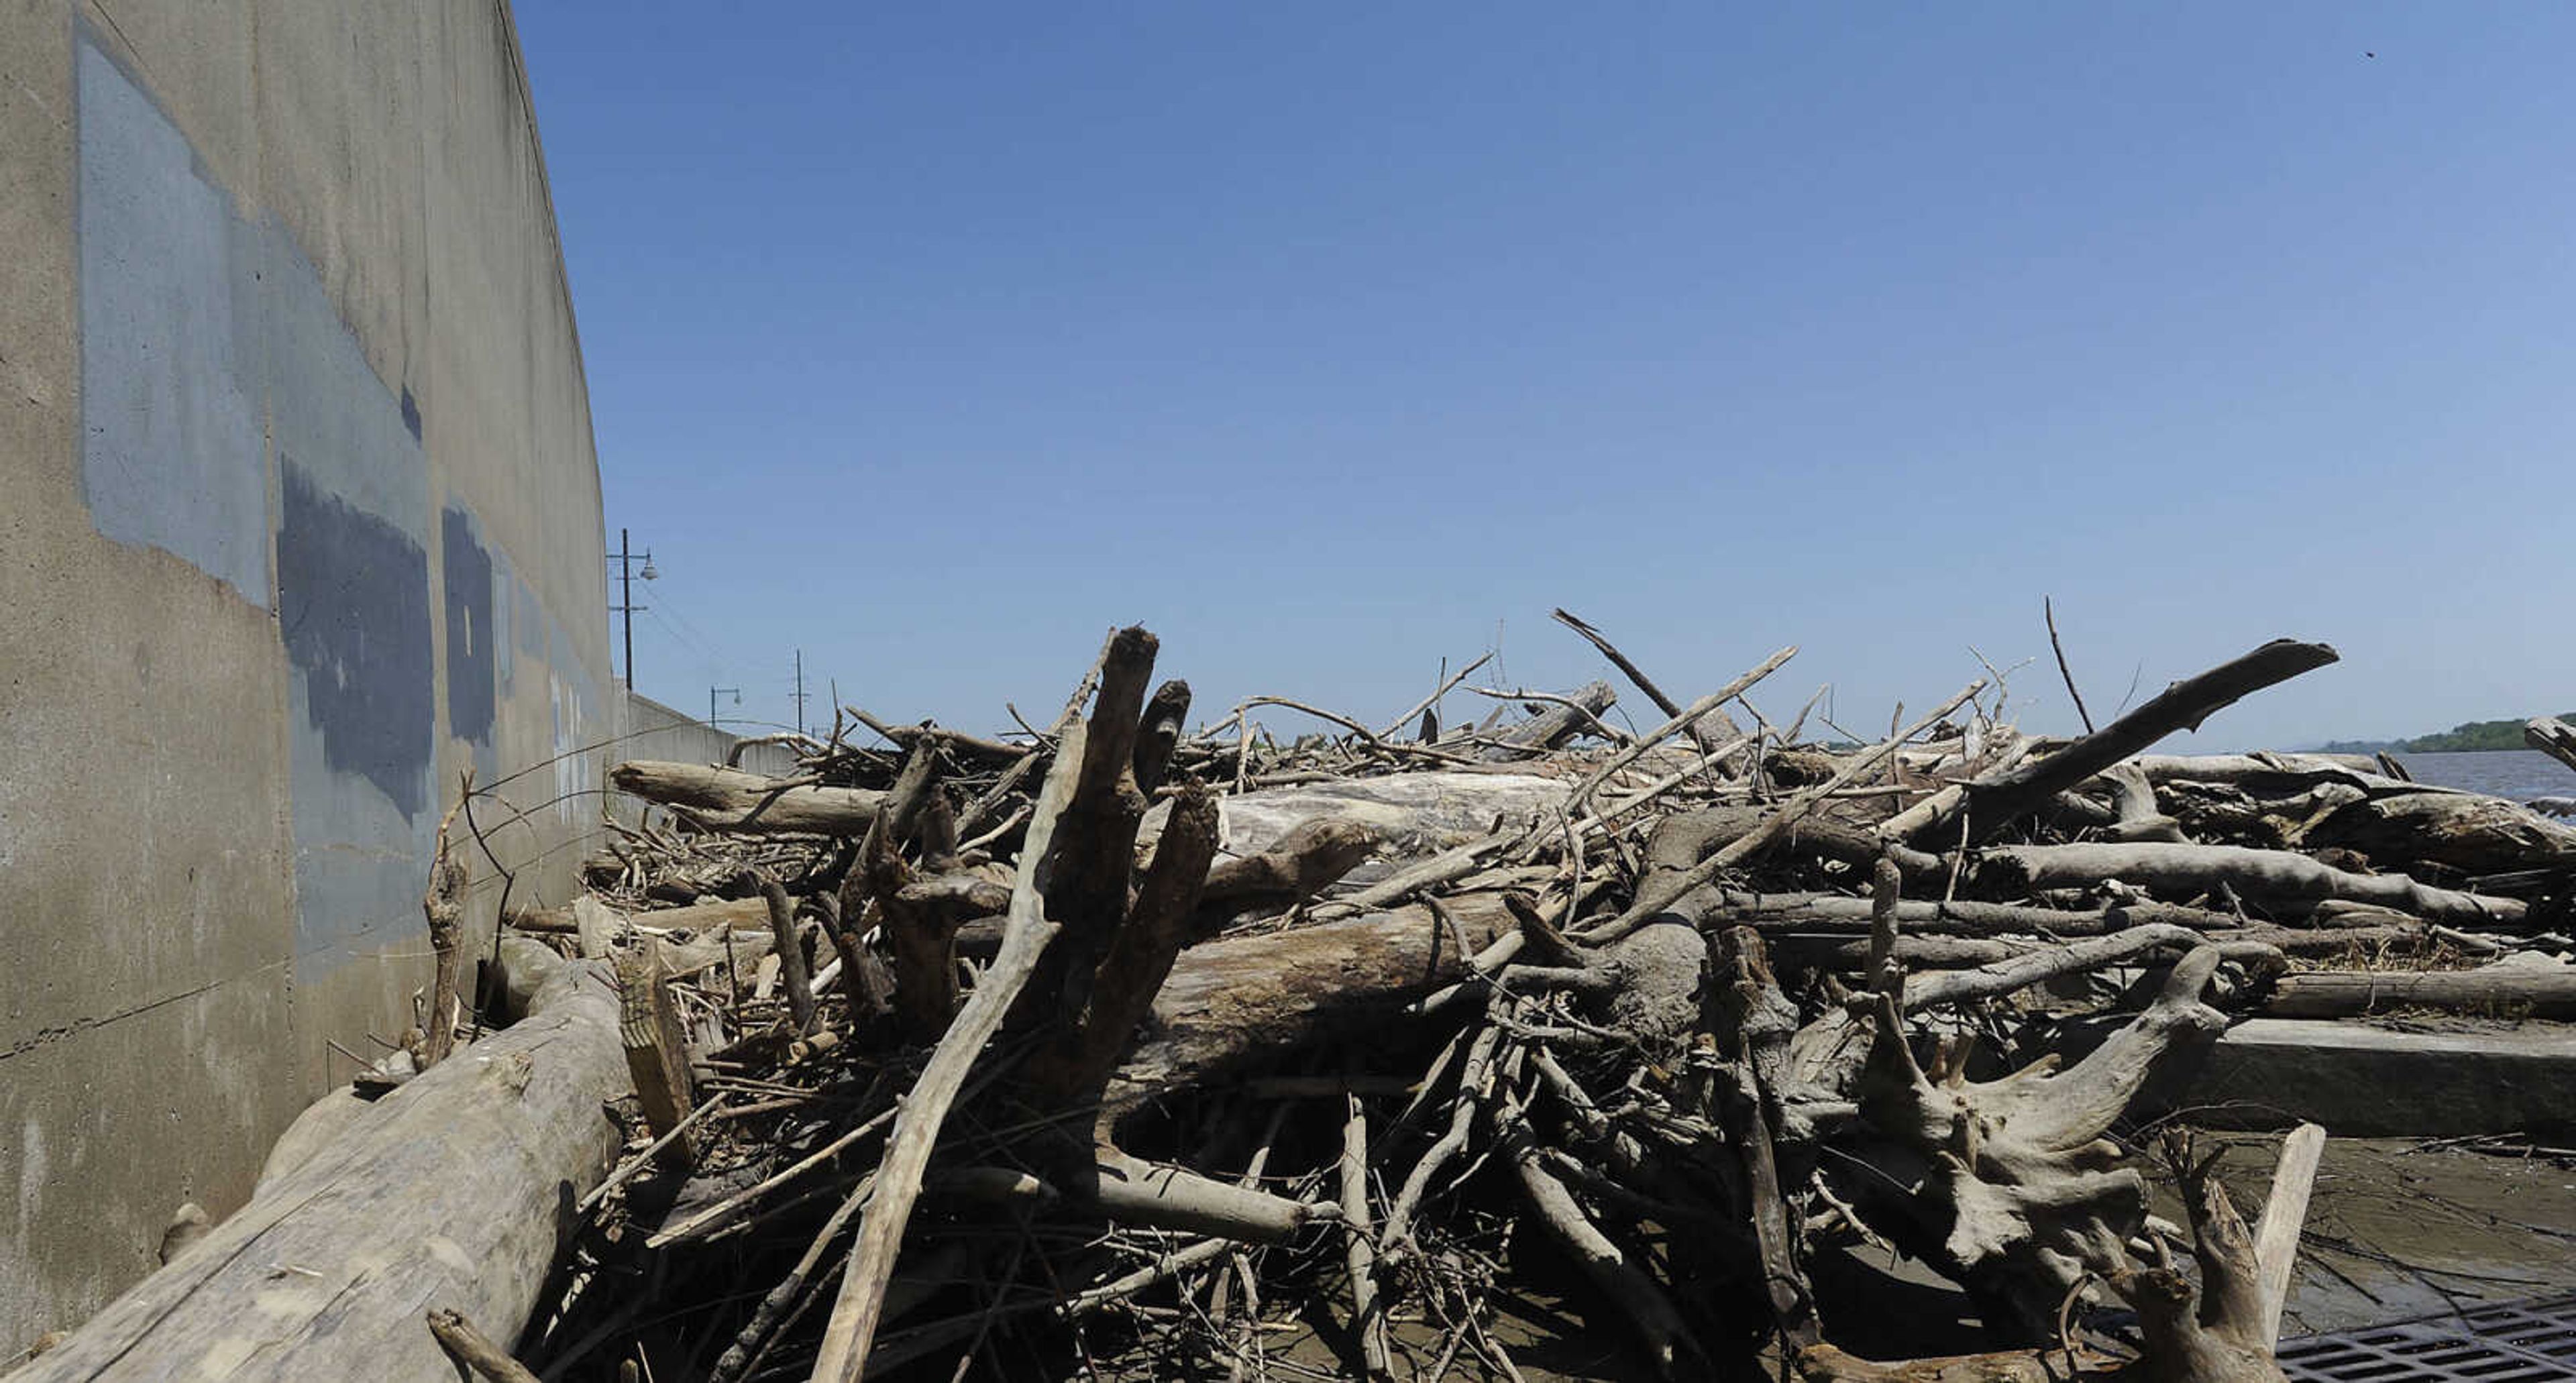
[1121, 1049]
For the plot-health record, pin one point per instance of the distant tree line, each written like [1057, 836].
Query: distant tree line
[2476, 734]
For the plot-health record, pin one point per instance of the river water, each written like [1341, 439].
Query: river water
[2520, 774]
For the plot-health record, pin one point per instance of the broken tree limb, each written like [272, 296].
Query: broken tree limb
[790, 949]
[2272, 877]
[1724, 724]
[1073, 1074]
[2212, 1331]
[1998, 799]
[1359, 1250]
[1312, 857]
[724, 799]
[855, 1312]
[444, 908]
[657, 1053]
[455, 1188]
[2553, 737]
[1551, 727]
[1159, 733]
[1681, 720]
[475, 1350]
[2285, 1210]
[2020, 972]
[1828, 912]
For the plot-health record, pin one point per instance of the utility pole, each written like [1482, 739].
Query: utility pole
[800, 691]
[626, 574]
[711, 702]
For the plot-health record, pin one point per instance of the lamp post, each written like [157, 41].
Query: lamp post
[626, 574]
[711, 702]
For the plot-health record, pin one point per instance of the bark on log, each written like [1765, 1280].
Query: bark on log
[453, 1189]
[1228, 1003]
[2494, 991]
[724, 799]
[2274, 877]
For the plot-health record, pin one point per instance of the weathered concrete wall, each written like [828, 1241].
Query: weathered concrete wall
[302, 524]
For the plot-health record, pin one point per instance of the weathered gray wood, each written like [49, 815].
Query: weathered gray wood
[2285, 1212]
[2463, 831]
[2553, 737]
[1413, 814]
[451, 1190]
[1998, 799]
[1228, 1003]
[724, 799]
[2276, 877]
[1551, 727]
[2501, 991]
[657, 1053]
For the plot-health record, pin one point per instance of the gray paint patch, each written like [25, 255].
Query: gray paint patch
[328, 408]
[172, 455]
[353, 604]
[471, 637]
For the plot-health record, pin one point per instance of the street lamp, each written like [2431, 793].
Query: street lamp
[625, 557]
[711, 702]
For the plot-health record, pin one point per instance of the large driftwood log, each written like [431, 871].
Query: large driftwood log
[724, 799]
[1413, 814]
[2460, 831]
[2271, 772]
[1228, 1003]
[2275, 878]
[452, 1190]
[2498, 991]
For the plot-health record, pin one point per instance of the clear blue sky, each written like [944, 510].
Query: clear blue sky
[1329, 340]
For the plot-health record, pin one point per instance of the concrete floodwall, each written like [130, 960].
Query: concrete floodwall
[302, 523]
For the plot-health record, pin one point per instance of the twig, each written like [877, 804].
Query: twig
[1426, 703]
[2049, 609]
[1359, 1253]
[475, 1350]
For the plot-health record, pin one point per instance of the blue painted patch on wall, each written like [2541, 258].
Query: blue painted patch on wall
[470, 634]
[353, 605]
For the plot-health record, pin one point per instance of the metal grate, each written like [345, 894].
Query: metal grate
[2521, 1342]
